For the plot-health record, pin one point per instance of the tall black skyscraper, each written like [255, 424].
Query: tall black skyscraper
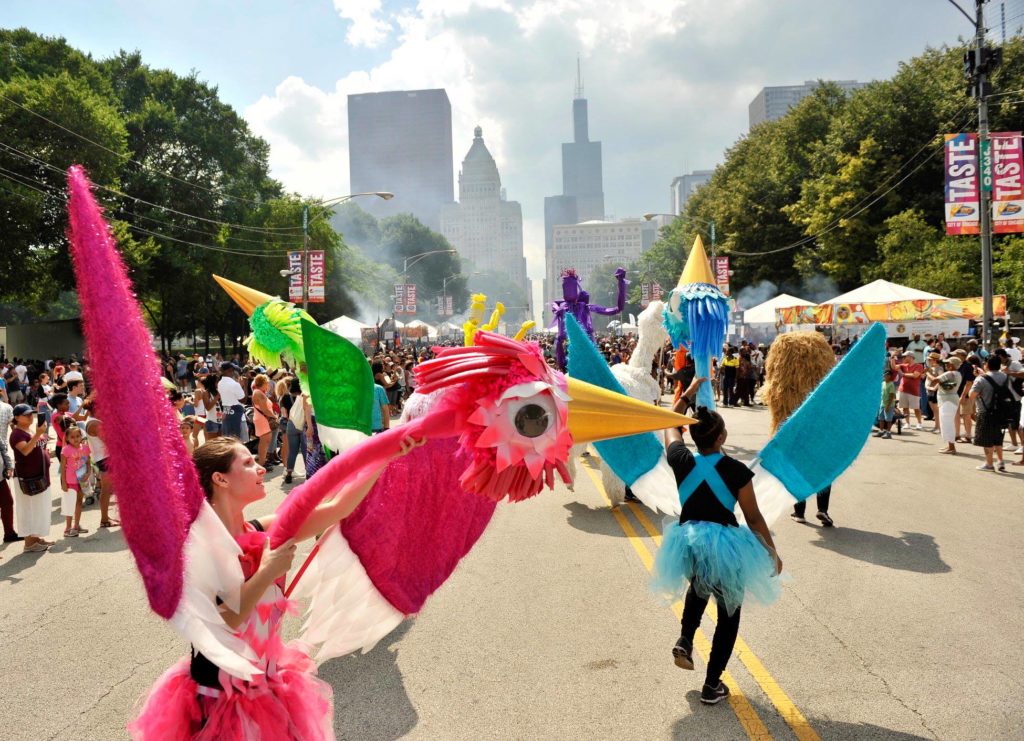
[582, 196]
[402, 142]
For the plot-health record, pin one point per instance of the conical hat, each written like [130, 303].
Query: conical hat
[697, 268]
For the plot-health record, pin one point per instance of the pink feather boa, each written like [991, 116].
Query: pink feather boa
[158, 491]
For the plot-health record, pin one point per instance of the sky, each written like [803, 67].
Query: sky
[668, 81]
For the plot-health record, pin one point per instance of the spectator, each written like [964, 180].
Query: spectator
[887, 412]
[932, 373]
[74, 373]
[94, 430]
[948, 400]
[989, 428]
[231, 397]
[729, 368]
[75, 470]
[32, 498]
[6, 500]
[910, 386]
[297, 417]
[264, 419]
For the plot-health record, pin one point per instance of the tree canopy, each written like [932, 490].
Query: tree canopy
[855, 181]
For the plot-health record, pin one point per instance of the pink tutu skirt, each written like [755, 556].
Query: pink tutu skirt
[289, 702]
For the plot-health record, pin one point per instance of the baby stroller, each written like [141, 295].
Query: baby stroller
[897, 421]
[252, 444]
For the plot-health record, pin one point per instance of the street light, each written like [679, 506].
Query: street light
[709, 224]
[385, 195]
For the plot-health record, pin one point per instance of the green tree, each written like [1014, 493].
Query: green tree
[403, 239]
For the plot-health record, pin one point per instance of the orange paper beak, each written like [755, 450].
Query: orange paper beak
[597, 414]
[246, 298]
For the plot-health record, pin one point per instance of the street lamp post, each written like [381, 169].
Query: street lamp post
[707, 223]
[411, 260]
[385, 195]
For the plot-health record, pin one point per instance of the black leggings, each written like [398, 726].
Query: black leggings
[725, 632]
[801, 507]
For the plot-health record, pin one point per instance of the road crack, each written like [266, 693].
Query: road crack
[864, 664]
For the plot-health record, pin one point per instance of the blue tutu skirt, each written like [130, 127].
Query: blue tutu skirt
[719, 560]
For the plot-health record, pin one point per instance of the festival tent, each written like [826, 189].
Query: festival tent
[347, 327]
[880, 292]
[765, 313]
[431, 330]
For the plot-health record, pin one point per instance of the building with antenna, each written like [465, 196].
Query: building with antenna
[582, 197]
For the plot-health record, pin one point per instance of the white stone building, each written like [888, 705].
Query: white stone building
[593, 245]
[485, 228]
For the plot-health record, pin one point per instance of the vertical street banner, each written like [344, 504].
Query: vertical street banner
[645, 295]
[440, 306]
[1007, 191]
[962, 184]
[721, 267]
[399, 298]
[448, 304]
[405, 298]
[295, 279]
[655, 292]
[317, 277]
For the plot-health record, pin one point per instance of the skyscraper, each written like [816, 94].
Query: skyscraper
[582, 197]
[486, 229]
[773, 102]
[683, 186]
[401, 142]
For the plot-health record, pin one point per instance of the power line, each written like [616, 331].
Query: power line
[216, 248]
[854, 210]
[128, 158]
[18, 153]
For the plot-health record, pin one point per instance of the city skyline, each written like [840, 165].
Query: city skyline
[669, 82]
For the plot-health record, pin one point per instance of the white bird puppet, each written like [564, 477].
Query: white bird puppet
[636, 380]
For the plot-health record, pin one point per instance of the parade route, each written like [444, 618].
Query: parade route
[901, 623]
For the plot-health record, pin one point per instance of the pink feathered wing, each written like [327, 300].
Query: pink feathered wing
[158, 491]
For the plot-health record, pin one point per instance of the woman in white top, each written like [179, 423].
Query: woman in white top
[94, 429]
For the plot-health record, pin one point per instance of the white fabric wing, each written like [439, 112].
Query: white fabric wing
[346, 612]
[657, 489]
[773, 498]
[212, 570]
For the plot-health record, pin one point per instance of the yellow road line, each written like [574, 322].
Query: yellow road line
[745, 713]
[787, 709]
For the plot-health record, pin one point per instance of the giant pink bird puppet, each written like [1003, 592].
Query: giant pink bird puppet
[502, 426]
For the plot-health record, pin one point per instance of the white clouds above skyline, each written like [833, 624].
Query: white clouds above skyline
[668, 82]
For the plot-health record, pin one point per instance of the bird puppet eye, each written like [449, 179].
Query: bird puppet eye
[532, 420]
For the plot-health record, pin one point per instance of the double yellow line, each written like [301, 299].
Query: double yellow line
[745, 712]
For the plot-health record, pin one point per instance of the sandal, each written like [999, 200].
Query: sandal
[110, 523]
[72, 533]
[81, 530]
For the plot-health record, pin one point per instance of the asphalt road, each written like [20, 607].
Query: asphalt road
[903, 622]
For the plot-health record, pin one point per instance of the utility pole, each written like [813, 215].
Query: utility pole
[305, 257]
[984, 60]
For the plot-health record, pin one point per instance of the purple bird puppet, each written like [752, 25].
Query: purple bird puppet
[576, 302]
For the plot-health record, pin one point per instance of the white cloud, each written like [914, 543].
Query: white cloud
[668, 83]
[368, 28]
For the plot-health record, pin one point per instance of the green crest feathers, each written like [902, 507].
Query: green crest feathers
[277, 330]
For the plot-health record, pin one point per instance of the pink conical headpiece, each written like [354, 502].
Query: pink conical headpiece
[158, 491]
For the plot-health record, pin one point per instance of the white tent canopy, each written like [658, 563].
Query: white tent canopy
[765, 313]
[881, 292]
[347, 327]
[431, 330]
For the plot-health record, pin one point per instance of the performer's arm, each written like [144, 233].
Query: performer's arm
[345, 501]
[675, 433]
[755, 520]
[273, 565]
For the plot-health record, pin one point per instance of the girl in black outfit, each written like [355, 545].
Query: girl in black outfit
[708, 549]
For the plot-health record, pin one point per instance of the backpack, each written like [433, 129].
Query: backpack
[1003, 407]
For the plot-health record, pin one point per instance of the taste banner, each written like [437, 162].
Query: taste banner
[1007, 192]
[962, 184]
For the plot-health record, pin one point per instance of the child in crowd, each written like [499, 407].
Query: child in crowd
[887, 412]
[75, 473]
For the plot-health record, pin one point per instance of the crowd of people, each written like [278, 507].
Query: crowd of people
[967, 394]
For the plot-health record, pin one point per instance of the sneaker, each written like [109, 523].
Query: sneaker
[826, 521]
[918, 427]
[878, 433]
[887, 435]
[288, 477]
[1019, 450]
[682, 653]
[36, 547]
[1001, 467]
[983, 467]
[798, 518]
[713, 695]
